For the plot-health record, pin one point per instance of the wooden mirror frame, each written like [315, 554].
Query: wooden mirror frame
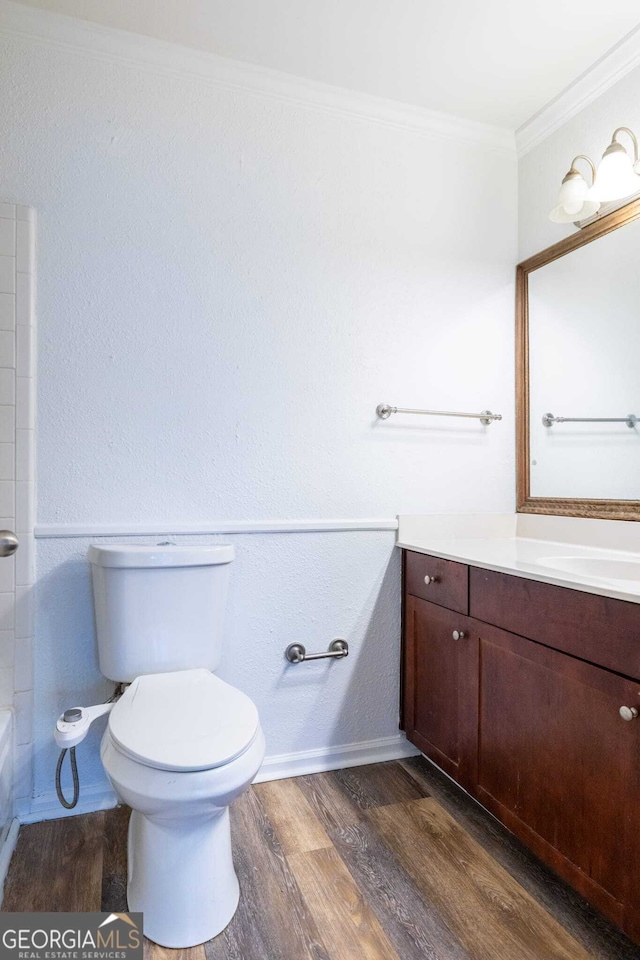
[557, 506]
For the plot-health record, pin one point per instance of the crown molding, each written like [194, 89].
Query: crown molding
[605, 72]
[170, 59]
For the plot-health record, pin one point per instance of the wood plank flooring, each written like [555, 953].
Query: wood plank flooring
[383, 862]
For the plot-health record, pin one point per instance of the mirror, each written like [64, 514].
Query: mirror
[578, 376]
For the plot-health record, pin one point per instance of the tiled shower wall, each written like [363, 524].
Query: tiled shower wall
[17, 480]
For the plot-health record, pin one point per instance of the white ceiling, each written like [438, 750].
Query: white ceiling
[499, 61]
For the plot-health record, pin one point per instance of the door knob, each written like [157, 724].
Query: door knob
[458, 634]
[628, 713]
[429, 579]
[8, 543]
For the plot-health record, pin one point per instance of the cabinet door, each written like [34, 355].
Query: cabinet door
[556, 762]
[440, 686]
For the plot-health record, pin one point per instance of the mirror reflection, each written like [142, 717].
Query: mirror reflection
[584, 366]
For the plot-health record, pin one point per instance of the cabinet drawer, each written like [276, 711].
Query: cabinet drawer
[438, 581]
[597, 629]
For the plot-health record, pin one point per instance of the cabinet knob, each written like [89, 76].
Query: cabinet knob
[628, 713]
[460, 635]
[429, 579]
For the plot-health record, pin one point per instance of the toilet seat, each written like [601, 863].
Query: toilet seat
[186, 720]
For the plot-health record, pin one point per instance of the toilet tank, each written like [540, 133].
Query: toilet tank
[159, 608]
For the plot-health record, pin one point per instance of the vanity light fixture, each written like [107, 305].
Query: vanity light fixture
[617, 175]
[576, 200]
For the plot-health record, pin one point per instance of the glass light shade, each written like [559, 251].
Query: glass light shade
[574, 200]
[616, 178]
[588, 208]
[572, 193]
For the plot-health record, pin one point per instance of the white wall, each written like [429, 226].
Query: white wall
[578, 354]
[228, 286]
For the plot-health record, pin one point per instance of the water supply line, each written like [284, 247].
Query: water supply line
[71, 729]
[69, 804]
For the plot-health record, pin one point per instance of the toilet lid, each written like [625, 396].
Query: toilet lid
[186, 720]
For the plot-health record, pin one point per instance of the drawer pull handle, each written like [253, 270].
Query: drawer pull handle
[460, 635]
[628, 713]
[429, 579]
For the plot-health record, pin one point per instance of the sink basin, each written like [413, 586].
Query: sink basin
[595, 567]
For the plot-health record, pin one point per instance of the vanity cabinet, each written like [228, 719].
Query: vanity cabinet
[532, 731]
[440, 716]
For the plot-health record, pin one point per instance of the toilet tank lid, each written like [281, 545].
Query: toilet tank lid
[159, 555]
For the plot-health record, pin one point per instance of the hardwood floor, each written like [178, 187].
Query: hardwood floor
[384, 862]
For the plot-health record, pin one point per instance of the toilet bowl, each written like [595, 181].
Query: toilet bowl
[178, 749]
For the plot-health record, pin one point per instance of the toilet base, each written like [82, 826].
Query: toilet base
[181, 874]
[181, 877]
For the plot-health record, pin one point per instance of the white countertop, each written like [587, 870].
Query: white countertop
[527, 546]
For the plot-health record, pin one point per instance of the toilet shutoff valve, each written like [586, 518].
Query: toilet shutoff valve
[73, 725]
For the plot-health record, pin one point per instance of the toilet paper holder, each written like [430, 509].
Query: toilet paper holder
[296, 652]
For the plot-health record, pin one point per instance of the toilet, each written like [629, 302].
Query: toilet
[181, 744]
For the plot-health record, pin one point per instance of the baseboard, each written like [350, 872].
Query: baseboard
[6, 852]
[101, 797]
[298, 764]
[48, 807]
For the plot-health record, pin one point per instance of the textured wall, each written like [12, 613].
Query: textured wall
[228, 285]
[284, 588]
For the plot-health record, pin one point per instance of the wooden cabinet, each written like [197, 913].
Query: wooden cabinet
[533, 732]
[557, 762]
[441, 667]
